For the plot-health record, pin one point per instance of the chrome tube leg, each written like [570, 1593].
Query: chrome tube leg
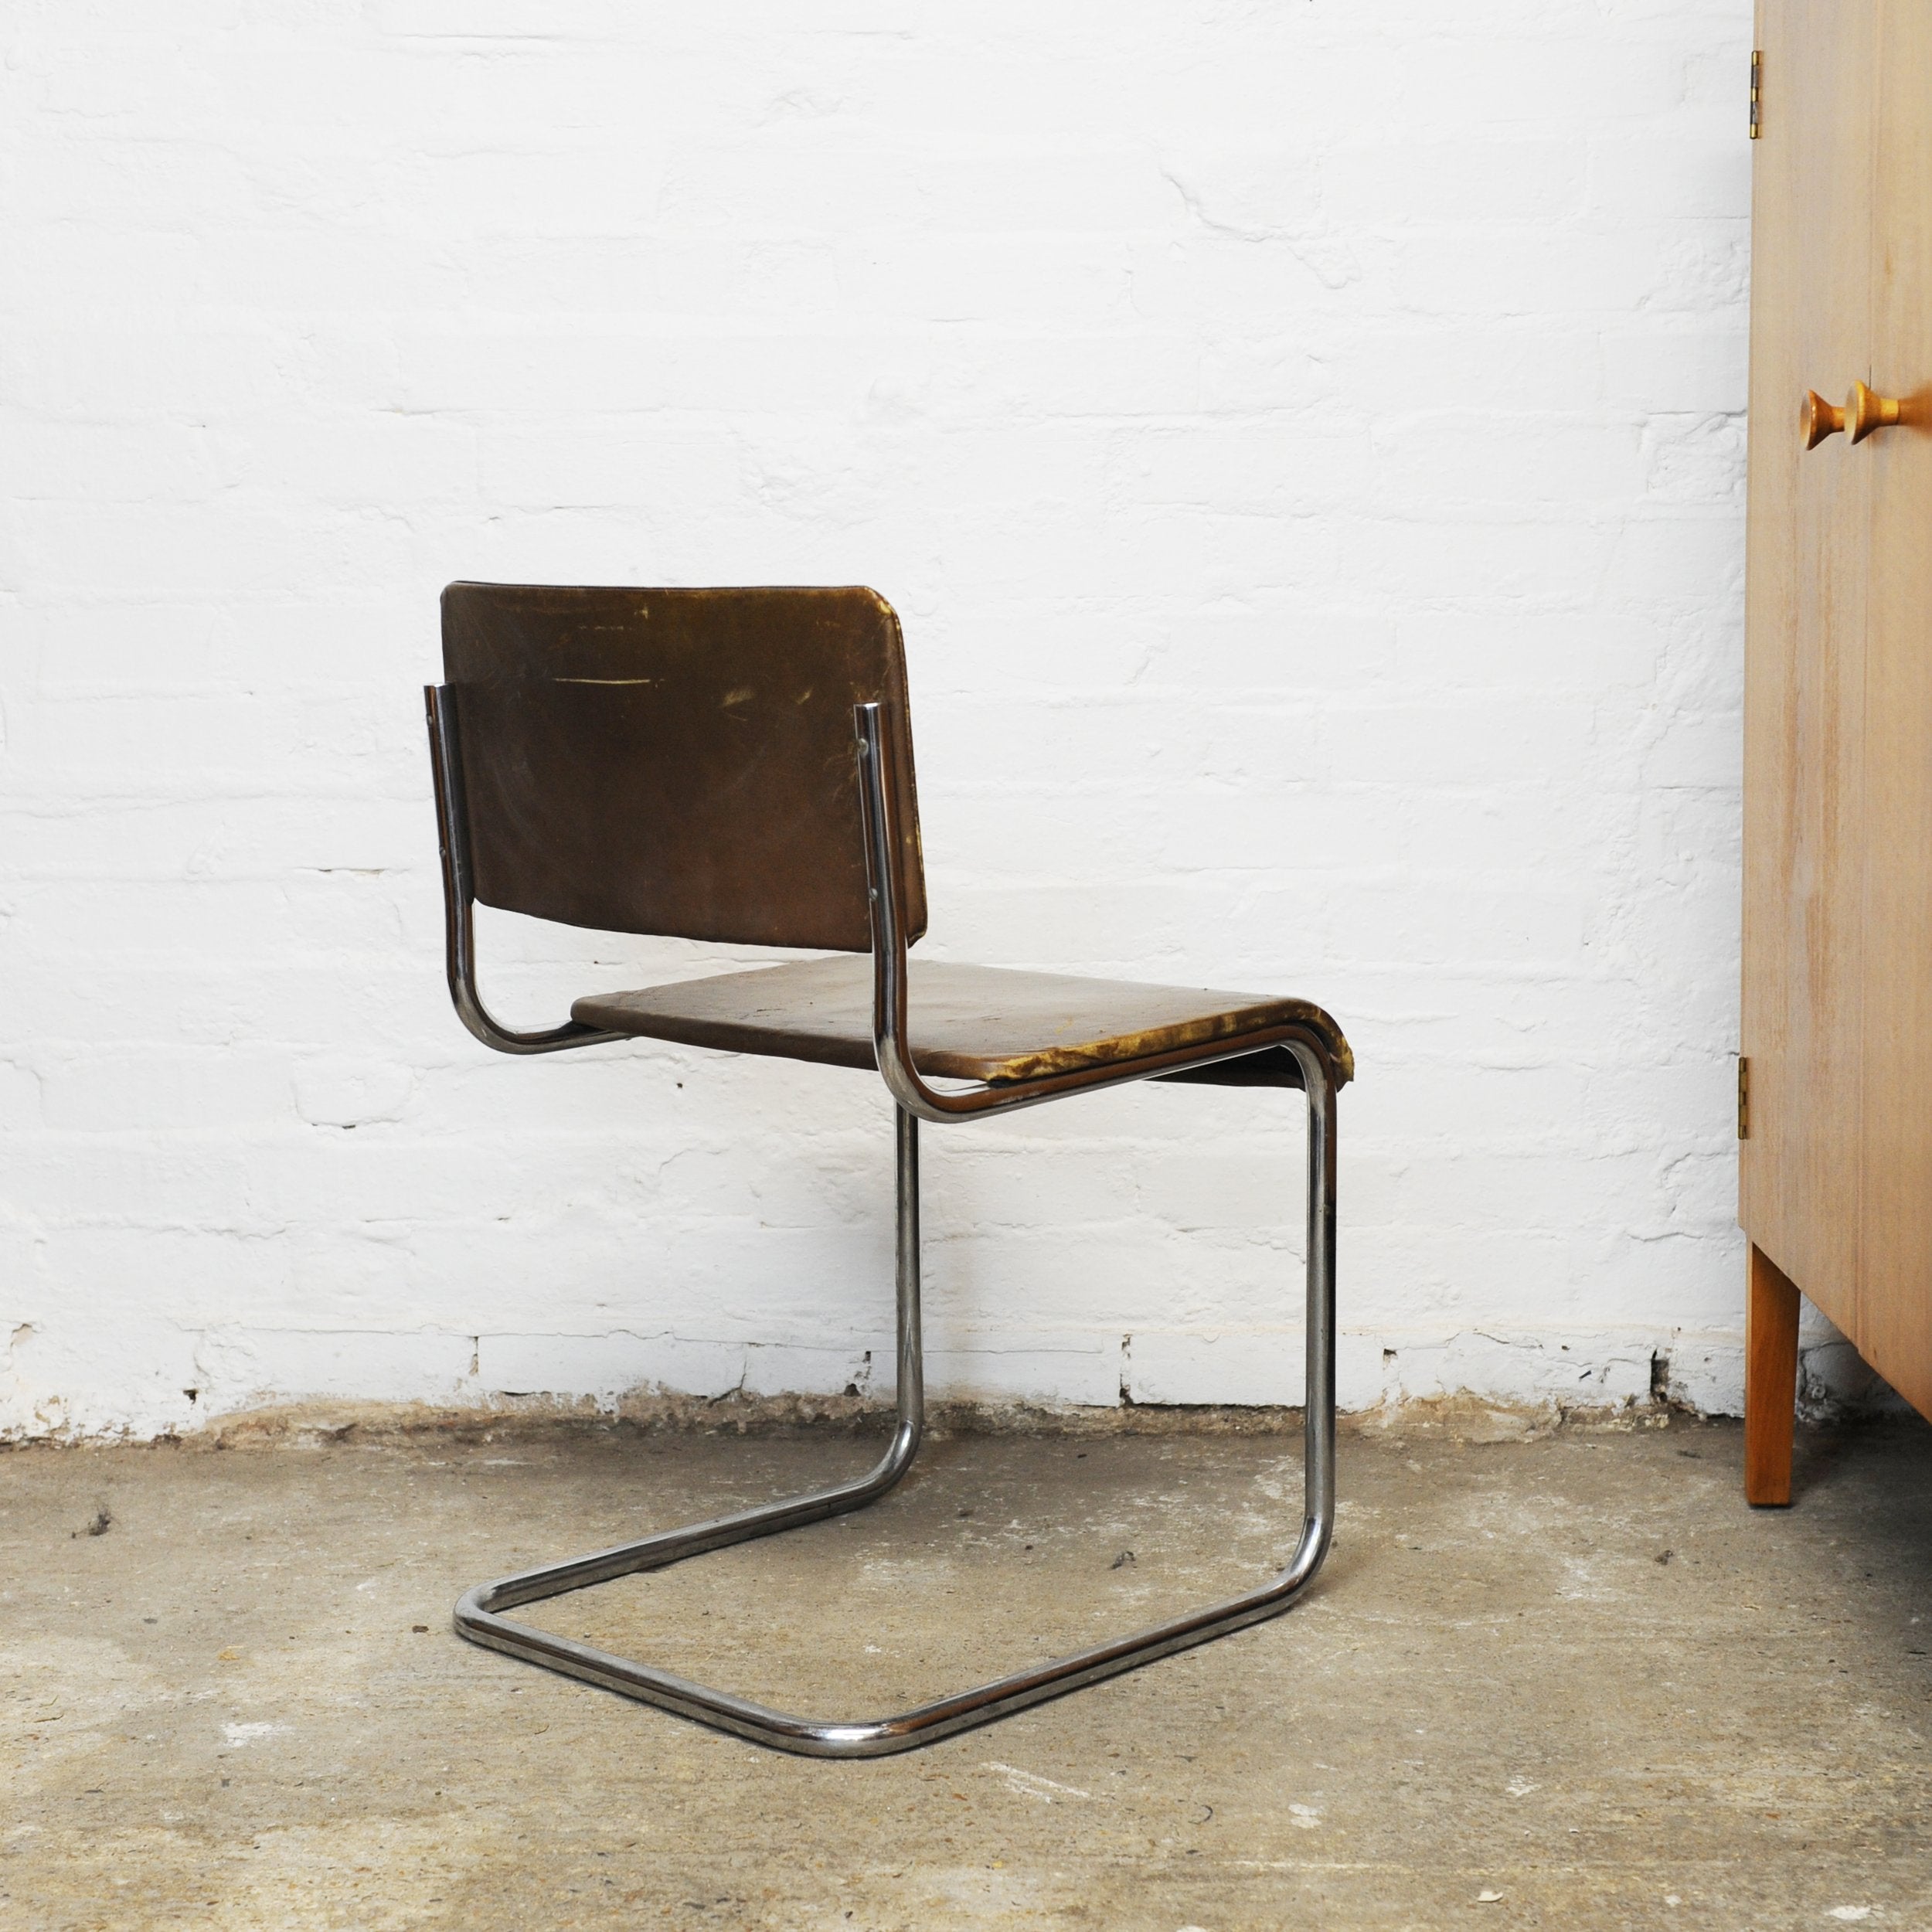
[479, 1615]
[1319, 1340]
[911, 1368]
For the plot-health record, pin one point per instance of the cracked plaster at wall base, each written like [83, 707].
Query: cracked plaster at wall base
[623, 1373]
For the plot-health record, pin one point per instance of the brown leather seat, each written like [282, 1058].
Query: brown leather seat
[968, 1022]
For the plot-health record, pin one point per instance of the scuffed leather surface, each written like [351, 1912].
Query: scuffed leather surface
[966, 1022]
[679, 762]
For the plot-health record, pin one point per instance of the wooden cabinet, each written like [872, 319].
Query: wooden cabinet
[1835, 1174]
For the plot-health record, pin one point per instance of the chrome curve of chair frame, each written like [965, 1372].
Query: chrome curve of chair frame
[1298, 1058]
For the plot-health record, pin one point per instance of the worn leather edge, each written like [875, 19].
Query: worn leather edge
[609, 1011]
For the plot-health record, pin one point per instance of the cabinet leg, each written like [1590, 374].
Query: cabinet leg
[1770, 1380]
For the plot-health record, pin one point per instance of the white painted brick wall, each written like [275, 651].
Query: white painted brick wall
[1304, 442]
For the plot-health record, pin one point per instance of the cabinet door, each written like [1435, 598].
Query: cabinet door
[1894, 1330]
[1804, 697]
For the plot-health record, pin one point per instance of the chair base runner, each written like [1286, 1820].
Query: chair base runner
[479, 1616]
[875, 1737]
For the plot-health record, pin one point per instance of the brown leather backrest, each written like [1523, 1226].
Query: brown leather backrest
[679, 762]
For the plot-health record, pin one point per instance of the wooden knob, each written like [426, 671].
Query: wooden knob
[1818, 419]
[1864, 412]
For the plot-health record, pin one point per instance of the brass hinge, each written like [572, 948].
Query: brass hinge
[1757, 84]
[1744, 1098]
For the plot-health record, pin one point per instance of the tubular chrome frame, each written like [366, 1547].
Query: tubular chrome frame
[886, 878]
[459, 902]
[1293, 1056]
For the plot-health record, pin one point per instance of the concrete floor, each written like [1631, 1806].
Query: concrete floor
[1566, 1682]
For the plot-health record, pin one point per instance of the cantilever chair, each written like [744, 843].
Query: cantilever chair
[736, 765]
